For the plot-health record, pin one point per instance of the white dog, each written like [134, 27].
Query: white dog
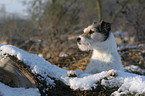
[100, 39]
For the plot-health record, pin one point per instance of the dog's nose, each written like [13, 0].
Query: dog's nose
[78, 39]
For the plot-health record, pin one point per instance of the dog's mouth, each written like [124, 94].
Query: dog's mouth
[83, 44]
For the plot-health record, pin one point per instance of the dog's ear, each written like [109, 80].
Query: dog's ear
[108, 26]
[104, 26]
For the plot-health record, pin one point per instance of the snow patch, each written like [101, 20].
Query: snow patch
[86, 81]
[133, 68]
[8, 91]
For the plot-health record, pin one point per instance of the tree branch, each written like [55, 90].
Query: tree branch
[124, 3]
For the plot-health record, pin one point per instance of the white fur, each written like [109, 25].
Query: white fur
[105, 56]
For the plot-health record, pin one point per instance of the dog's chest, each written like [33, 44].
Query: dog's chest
[100, 62]
[101, 57]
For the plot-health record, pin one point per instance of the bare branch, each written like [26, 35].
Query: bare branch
[123, 4]
[99, 9]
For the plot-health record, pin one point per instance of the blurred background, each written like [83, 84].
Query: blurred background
[49, 28]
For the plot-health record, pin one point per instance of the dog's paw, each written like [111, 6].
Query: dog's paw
[112, 73]
[71, 74]
[74, 73]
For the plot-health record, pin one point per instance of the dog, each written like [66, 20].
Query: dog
[99, 38]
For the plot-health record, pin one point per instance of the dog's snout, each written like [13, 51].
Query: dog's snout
[78, 39]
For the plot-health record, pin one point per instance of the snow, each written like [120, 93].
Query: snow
[86, 81]
[8, 91]
[118, 32]
[127, 82]
[121, 33]
[130, 83]
[133, 68]
[130, 47]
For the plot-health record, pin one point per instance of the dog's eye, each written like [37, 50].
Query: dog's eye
[91, 32]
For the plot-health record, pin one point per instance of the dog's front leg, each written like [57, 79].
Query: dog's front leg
[74, 73]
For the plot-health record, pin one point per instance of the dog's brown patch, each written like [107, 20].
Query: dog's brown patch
[87, 31]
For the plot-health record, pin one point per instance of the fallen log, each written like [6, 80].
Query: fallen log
[12, 74]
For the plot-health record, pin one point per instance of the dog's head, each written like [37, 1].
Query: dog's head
[94, 35]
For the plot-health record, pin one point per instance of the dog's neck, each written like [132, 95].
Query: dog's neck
[105, 57]
[107, 51]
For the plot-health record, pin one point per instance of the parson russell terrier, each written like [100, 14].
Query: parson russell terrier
[99, 38]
